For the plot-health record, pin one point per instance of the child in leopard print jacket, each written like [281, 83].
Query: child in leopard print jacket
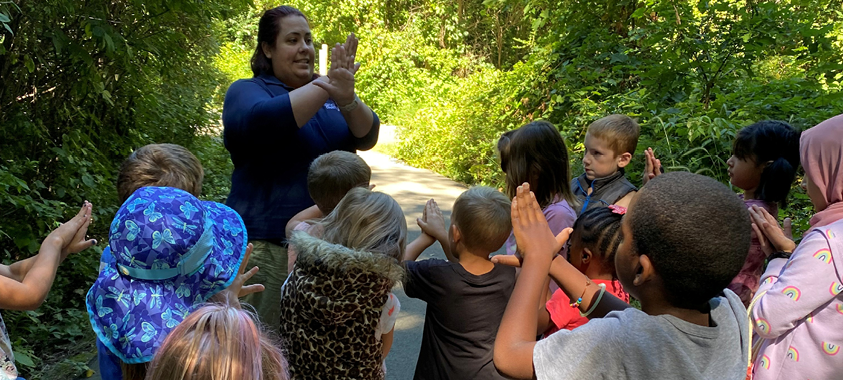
[337, 309]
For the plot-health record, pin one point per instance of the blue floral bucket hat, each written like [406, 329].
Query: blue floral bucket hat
[171, 252]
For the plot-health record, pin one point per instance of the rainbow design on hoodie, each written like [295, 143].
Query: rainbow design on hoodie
[823, 255]
[764, 362]
[762, 325]
[835, 288]
[792, 292]
[792, 354]
[830, 349]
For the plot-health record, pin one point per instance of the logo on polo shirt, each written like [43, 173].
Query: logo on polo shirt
[331, 105]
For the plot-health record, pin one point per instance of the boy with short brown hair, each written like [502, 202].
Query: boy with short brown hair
[467, 294]
[609, 145]
[332, 175]
[329, 178]
[167, 165]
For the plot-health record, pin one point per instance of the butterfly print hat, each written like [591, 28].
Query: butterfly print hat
[171, 252]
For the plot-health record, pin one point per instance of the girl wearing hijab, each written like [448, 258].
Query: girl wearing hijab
[798, 309]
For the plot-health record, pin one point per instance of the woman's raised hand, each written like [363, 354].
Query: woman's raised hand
[340, 84]
[350, 46]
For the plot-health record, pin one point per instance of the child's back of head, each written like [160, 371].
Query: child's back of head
[695, 232]
[536, 154]
[167, 165]
[332, 175]
[369, 221]
[620, 132]
[774, 146]
[218, 342]
[598, 230]
[482, 215]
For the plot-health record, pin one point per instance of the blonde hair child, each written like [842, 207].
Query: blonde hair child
[333, 301]
[218, 342]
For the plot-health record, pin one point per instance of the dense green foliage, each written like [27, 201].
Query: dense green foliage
[85, 83]
[691, 72]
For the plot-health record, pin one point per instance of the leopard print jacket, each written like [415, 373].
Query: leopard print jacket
[330, 309]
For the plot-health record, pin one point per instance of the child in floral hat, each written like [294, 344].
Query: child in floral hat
[171, 253]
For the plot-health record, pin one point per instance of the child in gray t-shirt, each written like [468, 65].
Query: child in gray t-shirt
[684, 237]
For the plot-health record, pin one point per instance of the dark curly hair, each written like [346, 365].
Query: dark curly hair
[695, 231]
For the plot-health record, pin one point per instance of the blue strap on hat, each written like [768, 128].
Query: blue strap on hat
[189, 263]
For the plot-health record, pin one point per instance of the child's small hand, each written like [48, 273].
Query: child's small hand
[652, 166]
[510, 260]
[770, 235]
[71, 235]
[530, 227]
[233, 292]
[432, 222]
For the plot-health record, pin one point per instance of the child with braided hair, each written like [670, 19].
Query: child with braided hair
[591, 250]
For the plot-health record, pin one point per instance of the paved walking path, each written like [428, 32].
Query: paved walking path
[411, 187]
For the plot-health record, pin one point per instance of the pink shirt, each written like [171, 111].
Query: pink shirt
[563, 316]
[799, 311]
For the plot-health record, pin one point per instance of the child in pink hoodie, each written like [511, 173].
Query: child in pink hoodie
[797, 312]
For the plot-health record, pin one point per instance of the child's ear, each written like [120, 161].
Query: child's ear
[645, 271]
[624, 159]
[586, 256]
[455, 233]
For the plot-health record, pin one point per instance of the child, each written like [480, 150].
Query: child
[536, 154]
[330, 177]
[174, 253]
[336, 305]
[591, 250]
[764, 159]
[609, 145]
[168, 165]
[797, 310]
[467, 294]
[25, 284]
[218, 342]
[684, 237]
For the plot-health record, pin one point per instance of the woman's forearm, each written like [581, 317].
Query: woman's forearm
[359, 120]
[306, 101]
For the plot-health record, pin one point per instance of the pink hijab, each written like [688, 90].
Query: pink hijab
[821, 151]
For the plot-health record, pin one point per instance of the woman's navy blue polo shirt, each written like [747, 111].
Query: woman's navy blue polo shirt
[271, 155]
